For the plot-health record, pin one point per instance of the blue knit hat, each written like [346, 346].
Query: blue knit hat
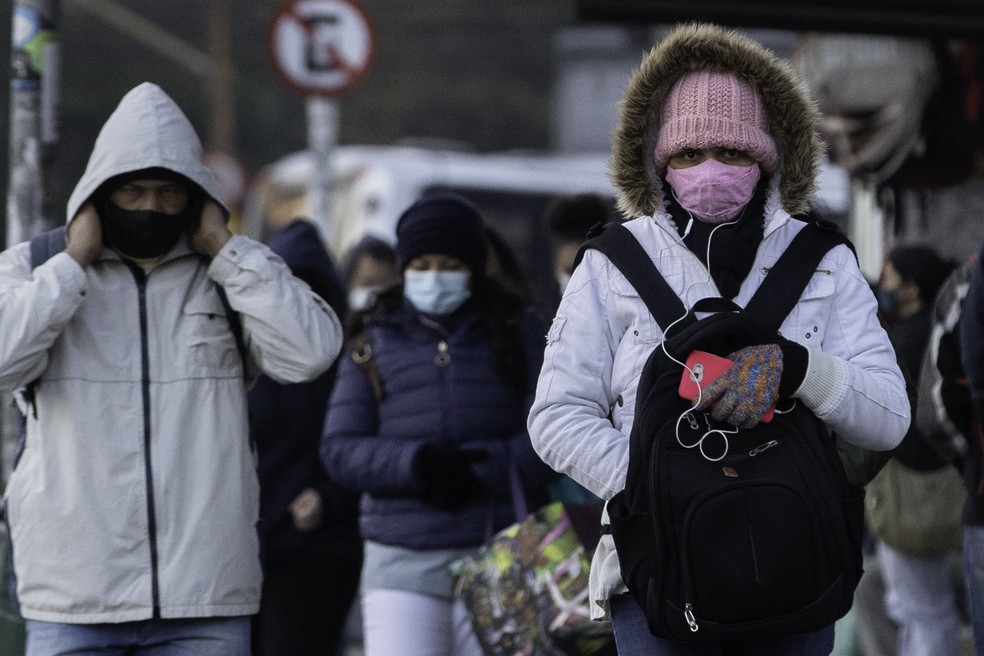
[442, 223]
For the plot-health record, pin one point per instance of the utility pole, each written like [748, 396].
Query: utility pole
[221, 79]
[34, 84]
[33, 134]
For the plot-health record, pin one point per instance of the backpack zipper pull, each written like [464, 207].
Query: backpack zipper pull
[762, 447]
[688, 614]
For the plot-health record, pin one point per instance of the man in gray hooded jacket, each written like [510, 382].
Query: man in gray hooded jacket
[133, 506]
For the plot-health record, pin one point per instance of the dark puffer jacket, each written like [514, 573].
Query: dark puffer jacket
[285, 422]
[369, 446]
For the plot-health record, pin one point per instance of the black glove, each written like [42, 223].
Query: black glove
[446, 474]
[795, 359]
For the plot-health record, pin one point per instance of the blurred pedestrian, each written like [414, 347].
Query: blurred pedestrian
[133, 505]
[504, 266]
[568, 219]
[427, 420]
[914, 563]
[910, 278]
[309, 540]
[369, 269]
[972, 352]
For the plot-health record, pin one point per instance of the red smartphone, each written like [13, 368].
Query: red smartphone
[702, 368]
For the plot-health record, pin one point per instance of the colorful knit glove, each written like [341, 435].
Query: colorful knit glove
[750, 386]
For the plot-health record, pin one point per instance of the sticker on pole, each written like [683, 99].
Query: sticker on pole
[322, 47]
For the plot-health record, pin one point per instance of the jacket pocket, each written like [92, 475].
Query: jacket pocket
[211, 342]
[632, 311]
[807, 322]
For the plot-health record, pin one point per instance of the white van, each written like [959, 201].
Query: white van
[372, 185]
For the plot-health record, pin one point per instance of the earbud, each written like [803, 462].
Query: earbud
[686, 231]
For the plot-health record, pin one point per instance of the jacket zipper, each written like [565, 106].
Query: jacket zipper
[141, 279]
[826, 272]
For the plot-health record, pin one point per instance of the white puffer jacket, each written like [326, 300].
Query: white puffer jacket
[603, 334]
[137, 490]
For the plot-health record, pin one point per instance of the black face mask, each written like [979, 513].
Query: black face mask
[141, 233]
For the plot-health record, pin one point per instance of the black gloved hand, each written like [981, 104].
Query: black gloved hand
[445, 471]
[795, 359]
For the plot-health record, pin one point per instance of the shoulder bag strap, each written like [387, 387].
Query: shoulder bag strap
[46, 245]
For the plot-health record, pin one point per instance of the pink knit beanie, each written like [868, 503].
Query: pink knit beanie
[706, 109]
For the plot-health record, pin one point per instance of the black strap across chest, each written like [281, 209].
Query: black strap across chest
[773, 300]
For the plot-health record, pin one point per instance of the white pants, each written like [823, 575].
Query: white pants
[401, 623]
[921, 597]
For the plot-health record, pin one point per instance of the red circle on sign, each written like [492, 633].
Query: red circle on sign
[321, 47]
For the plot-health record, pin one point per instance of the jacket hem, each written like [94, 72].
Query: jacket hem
[136, 615]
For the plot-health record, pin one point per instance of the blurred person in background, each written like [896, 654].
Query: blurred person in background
[919, 595]
[568, 220]
[910, 278]
[903, 117]
[504, 266]
[370, 267]
[427, 421]
[972, 358]
[309, 541]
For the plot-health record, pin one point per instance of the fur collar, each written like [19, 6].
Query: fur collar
[696, 46]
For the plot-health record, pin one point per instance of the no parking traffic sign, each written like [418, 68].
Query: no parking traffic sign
[322, 47]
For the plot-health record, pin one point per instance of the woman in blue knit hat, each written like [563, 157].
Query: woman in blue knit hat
[428, 421]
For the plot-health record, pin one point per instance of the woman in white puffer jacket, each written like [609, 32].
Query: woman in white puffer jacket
[716, 120]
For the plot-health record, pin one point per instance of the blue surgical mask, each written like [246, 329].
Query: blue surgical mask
[436, 292]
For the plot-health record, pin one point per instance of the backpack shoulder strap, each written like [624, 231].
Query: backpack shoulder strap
[362, 355]
[629, 257]
[236, 326]
[788, 278]
[44, 246]
[47, 244]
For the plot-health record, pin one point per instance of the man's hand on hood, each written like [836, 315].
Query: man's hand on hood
[85, 239]
[211, 232]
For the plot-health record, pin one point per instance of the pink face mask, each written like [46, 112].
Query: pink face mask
[713, 192]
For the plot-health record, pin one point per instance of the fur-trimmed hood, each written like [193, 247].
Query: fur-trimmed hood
[792, 115]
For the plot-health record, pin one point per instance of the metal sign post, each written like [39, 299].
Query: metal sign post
[33, 119]
[322, 48]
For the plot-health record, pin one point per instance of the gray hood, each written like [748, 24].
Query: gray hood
[792, 115]
[146, 129]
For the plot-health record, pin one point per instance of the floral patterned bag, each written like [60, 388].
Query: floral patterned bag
[526, 591]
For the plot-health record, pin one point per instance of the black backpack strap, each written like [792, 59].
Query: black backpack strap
[789, 277]
[236, 326]
[44, 246]
[629, 257]
[47, 244]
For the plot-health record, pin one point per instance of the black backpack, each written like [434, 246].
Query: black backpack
[946, 409]
[764, 541]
